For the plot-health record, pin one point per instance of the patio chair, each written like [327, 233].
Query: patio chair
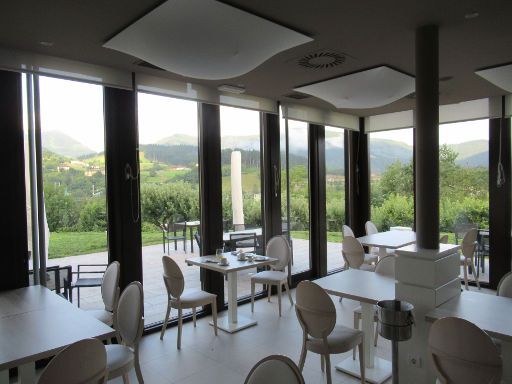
[197, 236]
[469, 244]
[482, 249]
[320, 334]
[129, 324]
[385, 267]
[84, 361]
[354, 256]
[109, 294]
[275, 369]
[279, 248]
[246, 241]
[86, 282]
[175, 285]
[58, 279]
[461, 352]
[174, 231]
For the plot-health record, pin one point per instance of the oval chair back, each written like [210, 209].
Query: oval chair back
[275, 369]
[279, 248]
[315, 310]
[505, 286]
[129, 319]
[469, 243]
[386, 266]
[347, 231]
[82, 362]
[443, 239]
[110, 286]
[371, 229]
[173, 277]
[463, 353]
[353, 252]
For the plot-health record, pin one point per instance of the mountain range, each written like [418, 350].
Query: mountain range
[382, 152]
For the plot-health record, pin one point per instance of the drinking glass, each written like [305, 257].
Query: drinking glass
[219, 252]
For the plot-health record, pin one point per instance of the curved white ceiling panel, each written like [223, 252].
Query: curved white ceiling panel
[499, 76]
[367, 89]
[204, 39]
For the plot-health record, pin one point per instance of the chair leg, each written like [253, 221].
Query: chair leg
[214, 315]
[126, 380]
[361, 362]
[269, 289]
[194, 316]
[322, 363]
[475, 274]
[356, 326]
[302, 359]
[78, 296]
[164, 326]
[252, 295]
[180, 326]
[327, 359]
[279, 292]
[289, 292]
[465, 266]
[138, 371]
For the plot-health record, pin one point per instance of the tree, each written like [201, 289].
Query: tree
[93, 217]
[61, 210]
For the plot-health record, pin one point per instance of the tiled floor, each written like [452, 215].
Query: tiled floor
[228, 358]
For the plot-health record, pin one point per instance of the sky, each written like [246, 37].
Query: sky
[76, 109]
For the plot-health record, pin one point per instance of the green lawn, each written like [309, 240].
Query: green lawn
[333, 237]
[64, 244]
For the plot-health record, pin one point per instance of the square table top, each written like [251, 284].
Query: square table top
[36, 323]
[234, 264]
[389, 239]
[365, 286]
[491, 313]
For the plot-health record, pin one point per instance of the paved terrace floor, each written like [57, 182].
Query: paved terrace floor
[155, 296]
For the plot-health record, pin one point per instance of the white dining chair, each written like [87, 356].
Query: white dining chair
[129, 324]
[371, 228]
[354, 256]
[385, 267]
[460, 352]
[109, 294]
[79, 363]
[180, 300]
[467, 257]
[278, 248]
[443, 239]
[347, 231]
[320, 334]
[275, 369]
[505, 286]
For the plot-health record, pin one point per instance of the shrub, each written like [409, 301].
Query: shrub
[62, 212]
[93, 216]
[396, 210]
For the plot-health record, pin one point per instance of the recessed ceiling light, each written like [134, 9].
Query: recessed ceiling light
[471, 15]
[231, 88]
[46, 43]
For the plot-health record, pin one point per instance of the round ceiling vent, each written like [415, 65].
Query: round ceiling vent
[322, 60]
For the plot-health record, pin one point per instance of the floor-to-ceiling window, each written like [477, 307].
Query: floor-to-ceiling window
[464, 185]
[169, 179]
[335, 194]
[391, 178]
[241, 184]
[73, 166]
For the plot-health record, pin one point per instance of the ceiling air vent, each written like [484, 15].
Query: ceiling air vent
[322, 60]
[297, 96]
[145, 64]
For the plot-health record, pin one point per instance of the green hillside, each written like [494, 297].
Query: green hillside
[64, 145]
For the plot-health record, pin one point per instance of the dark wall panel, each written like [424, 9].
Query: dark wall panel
[500, 206]
[13, 221]
[123, 199]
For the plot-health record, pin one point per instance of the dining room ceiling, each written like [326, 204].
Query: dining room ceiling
[348, 36]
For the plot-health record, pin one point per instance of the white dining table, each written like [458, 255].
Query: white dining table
[232, 322]
[368, 288]
[36, 323]
[388, 240]
[491, 313]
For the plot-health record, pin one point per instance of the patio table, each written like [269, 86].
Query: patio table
[232, 322]
[368, 288]
[190, 225]
[388, 240]
[35, 323]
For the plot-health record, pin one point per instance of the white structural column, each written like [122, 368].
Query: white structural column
[237, 202]
[426, 278]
